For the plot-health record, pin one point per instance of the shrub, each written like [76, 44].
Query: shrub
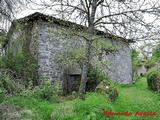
[6, 86]
[23, 65]
[17, 69]
[107, 87]
[136, 78]
[153, 79]
[94, 78]
[9, 84]
[156, 53]
[46, 91]
[149, 63]
[136, 61]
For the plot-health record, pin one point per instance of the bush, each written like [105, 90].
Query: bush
[46, 91]
[22, 66]
[107, 87]
[6, 85]
[149, 63]
[9, 84]
[136, 61]
[153, 79]
[156, 53]
[16, 72]
[94, 78]
[136, 78]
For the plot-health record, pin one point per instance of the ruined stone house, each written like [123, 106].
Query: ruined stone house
[40, 34]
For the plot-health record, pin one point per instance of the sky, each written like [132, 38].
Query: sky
[25, 12]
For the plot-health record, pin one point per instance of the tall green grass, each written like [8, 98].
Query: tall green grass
[131, 98]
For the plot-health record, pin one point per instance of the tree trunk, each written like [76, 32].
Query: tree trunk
[91, 18]
[85, 69]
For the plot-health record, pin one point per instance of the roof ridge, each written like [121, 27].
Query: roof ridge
[37, 16]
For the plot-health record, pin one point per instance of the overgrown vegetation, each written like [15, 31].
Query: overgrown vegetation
[44, 103]
[46, 91]
[94, 78]
[149, 63]
[107, 88]
[137, 97]
[18, 76]
[154, 60]
[3, 39]
[131, 98]
[153, 79]
[136, 61]
[156, 53]
[153, 74]
[17, 72]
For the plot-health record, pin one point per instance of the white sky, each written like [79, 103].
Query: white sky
[148, 18]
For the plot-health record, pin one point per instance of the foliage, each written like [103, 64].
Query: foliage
[149, 63]
[94, 78]
[107, 87]
[90, 109]
[154, 59]
[153, 78]
[3, 40]
[136, 78]
[156, 53]
[46, 91]
[131, 97]
[22, 66]
[136, 61]
[72, 56]
[6, 85]
[17, 74]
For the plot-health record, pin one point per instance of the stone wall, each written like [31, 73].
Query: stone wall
[53, 43]
[121, 66]
[45, 41]
[22, 38]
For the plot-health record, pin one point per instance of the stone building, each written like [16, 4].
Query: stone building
[46, 38]
[140, 70]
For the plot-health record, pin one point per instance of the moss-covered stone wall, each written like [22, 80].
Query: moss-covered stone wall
[45, 41]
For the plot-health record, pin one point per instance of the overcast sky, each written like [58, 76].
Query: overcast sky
[26, 12]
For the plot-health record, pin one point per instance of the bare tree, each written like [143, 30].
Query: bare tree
[8, 11]
[125, 18]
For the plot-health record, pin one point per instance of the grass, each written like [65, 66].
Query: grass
[135, 98]
[131, 98]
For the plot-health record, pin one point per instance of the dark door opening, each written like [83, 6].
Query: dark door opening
[73, 83]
